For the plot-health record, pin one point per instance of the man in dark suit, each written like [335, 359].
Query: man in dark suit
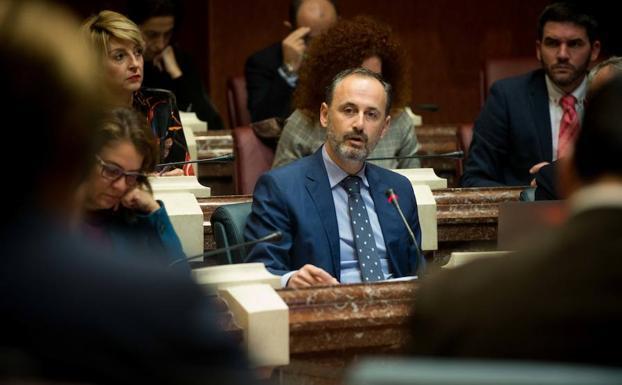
[531, 120]
[331, 205]
[71, 313]
[271, 74]
[560, 301]
[546, 178]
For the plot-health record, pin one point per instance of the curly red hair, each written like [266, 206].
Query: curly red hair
[346, 45]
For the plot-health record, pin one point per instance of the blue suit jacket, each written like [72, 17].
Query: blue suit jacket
[297, 200]
[512, 133]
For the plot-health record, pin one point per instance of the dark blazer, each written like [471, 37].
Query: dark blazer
[269, 95]
[188, 89]
[297, 200]
[160, 108]
[546, 180]
[560, 302]
[512, 133]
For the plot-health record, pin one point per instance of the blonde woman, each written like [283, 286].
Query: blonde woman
[120, 45]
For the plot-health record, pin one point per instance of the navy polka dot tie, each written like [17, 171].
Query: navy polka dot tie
[364, 243]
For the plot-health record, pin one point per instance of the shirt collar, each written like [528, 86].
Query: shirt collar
[336, 174]
[555, 93]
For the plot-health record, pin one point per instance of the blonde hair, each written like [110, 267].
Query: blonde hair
[614, 61]
[99, 28]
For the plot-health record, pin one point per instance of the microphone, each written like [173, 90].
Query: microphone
[448, 155]
[392, 198]
[217, 159]
[272, 237]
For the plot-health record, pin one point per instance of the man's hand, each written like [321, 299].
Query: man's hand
[140, 200]
[534, 170]
[310, 275]
[294, 47]
[166, 61]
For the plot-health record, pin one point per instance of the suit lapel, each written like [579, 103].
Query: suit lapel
[539, 105]
[319, 190]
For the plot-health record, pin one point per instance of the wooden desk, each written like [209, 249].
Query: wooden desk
[332, 326]
[466, 217]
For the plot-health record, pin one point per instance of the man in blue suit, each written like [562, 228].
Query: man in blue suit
[311, 202]
[521, 126]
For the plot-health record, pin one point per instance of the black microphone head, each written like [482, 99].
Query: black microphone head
[389, 192]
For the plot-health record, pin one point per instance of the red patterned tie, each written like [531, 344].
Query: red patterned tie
[568, 126]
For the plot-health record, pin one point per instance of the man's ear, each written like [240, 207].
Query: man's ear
[385, 128]
[595, 50]
[538, 46]
[324, 115]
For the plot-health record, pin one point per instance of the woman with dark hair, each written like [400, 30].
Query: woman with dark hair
[120, 209]
[166, 66]
[119, 43]
[358, 42]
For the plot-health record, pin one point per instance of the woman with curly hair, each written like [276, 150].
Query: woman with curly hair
[357, 42]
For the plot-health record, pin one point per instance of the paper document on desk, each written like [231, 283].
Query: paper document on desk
[407, 278]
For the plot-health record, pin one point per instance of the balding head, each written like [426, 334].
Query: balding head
[318, 15]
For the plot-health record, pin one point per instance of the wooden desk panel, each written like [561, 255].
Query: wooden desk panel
[467, 217]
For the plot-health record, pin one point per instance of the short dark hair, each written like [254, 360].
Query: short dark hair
[599, 144]
[570, 13]
[294, 6]
[140, 10]
[364, 72]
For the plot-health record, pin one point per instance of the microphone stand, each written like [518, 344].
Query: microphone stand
[392, 198]
[447, 155]
[272, 237]
[217, 159]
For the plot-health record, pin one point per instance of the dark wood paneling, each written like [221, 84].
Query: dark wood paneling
[447, 40]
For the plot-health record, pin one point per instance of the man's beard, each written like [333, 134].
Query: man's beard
[566, 79]
[346, 152]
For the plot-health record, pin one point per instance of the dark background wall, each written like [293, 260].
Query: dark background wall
[447, 40]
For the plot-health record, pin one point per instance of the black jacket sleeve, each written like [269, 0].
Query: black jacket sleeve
[269, 95]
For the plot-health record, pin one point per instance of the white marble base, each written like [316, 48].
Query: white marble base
[191, 124]
[426, 208]
[175, 184]
[264, 316]
[190, 120]
[461, 258]
[218, 277]
[187, 219]
[422, 176]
